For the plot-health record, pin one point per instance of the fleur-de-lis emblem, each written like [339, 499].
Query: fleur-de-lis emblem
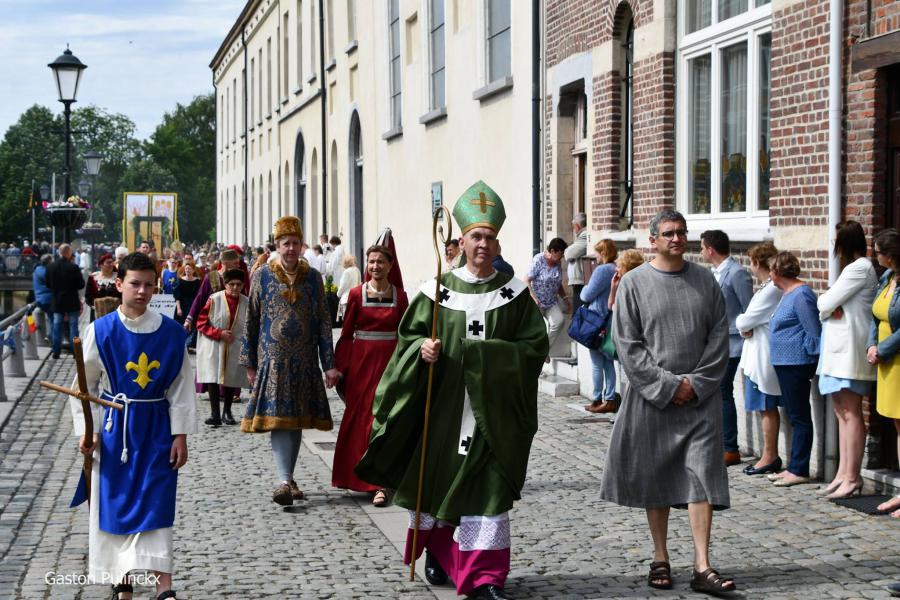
[142, 368]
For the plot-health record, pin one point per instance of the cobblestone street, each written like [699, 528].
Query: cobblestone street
[232, 541]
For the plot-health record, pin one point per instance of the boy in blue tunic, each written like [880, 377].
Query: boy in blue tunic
[135, 357]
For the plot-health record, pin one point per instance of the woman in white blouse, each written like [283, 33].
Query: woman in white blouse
[349, 280]
[761, 390]
[844, 372]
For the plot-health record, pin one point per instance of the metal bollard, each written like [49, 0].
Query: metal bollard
[16, 358]
[30, 343]
[3, 397]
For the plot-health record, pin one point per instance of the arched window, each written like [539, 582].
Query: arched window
[300, 179]
[355, 160]
[260, 223]
[333, 184]
[286, 199]
[251, 211]
[270, 209]
[313, 197]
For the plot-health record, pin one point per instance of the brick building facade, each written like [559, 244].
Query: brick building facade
[720, 108]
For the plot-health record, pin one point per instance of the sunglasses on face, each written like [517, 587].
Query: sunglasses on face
[682, 233]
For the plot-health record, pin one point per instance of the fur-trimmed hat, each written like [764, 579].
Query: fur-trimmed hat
[288, 225]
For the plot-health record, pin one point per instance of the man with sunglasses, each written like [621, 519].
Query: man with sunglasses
[666, 449]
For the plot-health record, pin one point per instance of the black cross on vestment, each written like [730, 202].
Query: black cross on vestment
[464, 445]
[506, 292]
[444, 296]
[476, 328]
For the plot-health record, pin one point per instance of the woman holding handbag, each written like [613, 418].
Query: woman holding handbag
[595, 296]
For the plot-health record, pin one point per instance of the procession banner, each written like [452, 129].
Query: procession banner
[149, 216]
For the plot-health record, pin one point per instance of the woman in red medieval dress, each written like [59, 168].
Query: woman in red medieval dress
[367, 341]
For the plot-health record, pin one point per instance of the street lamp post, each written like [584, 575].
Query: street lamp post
[67, 71]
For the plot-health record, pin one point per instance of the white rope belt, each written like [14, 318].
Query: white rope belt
[375, 335]
[126, 401]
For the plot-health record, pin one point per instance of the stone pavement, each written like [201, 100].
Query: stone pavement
[232, 541]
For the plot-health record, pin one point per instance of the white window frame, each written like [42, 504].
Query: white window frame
[391, 125]
[432, 105]
[488, 76]
[299, 44]
[747, 28]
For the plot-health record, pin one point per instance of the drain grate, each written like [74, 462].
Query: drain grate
[864, 504]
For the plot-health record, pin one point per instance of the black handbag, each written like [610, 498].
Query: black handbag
[587, 328]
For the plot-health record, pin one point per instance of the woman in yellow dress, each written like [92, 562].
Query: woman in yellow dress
[886, 332]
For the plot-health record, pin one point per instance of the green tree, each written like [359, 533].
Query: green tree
[184, 144]
[144, 174]
[113, 135]
[31, 149]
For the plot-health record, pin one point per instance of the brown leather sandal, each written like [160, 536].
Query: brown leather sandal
[660, 576]
[710, 582]
[380, 498]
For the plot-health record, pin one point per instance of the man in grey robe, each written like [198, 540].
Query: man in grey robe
[666, 450]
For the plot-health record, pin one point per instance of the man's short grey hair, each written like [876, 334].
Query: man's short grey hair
[46, 259]
[580, 219]
[666, 214]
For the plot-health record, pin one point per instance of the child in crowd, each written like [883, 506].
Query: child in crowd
[221, 324]
[135, 357]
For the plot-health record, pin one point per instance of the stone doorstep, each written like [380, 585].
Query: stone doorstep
[556, 386]
[886, 480]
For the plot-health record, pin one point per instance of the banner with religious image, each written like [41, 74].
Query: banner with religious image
[151, 217]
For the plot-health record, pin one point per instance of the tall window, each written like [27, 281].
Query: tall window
[498, 40]
[765, 137]
[626, 162]
[351, 20]
[269, 103]
[252, 90]
[436, 52]
[285, 58]
[234, 111]
[313, 45]
[394, 37]
[259, 80]
[579, 156]
[299, 43]
[723, 119]
[329, 29]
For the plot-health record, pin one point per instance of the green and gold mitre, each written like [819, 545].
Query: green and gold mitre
[479, 206]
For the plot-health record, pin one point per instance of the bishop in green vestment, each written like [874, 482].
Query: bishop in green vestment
[490, 347]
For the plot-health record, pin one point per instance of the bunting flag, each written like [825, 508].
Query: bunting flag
[32, 324]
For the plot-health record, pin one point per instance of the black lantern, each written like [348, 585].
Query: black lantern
[84, 188]
[45, 192]
[92, 160]
[67, 72]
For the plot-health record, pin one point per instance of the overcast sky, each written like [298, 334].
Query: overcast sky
[143, 56]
